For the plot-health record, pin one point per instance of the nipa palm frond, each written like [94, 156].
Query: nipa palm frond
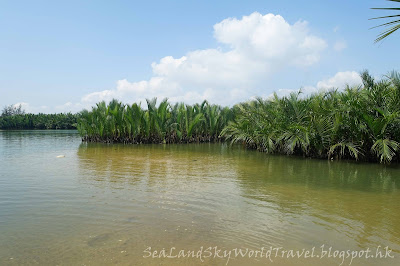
[394, 24]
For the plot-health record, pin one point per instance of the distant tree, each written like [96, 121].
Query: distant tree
[394, 24]
[13, 110]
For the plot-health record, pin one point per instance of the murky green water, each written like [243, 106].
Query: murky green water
[106, 204]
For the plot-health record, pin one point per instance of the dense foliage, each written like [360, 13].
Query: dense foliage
[165, 123]
[360, 122]
[38, 121]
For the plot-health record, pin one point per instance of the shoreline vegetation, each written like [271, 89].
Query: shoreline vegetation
[22, 121]
[361, 123]
[179, 123]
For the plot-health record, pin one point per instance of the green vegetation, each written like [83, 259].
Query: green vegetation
[13, 117]
[394, 24]
[360, 122]
[179, 123]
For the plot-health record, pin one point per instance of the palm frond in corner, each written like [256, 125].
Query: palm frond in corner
[393, 25]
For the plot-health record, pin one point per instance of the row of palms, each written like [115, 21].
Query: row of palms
[165, 123]
[361, 122]
[21, 120]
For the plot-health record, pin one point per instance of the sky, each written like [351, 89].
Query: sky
[64, 56]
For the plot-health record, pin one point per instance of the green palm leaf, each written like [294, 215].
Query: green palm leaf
[385, 149]
[395, 22]
[352, 148]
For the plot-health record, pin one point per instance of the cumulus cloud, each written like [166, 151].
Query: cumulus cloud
[271, 39]
[252, 49]
[25, 106]
[28, 108]
[340, 80]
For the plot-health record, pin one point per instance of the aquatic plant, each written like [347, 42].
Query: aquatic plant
[22, 120]
[360, 122]
[162, 123]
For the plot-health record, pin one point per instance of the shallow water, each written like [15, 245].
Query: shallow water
[107, 204]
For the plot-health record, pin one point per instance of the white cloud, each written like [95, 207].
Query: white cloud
[64, 108]
[271, 39]
[28, 108]
[340, 80]
[71, 107]
[340, 46]
[256, 46]
[139, 91]
[25, 106]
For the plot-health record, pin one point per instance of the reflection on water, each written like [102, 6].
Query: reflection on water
[105, 204]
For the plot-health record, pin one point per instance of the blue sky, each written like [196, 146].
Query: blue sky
[64, 56]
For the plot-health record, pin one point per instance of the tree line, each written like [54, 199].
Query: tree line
[14, 117]
[361, 122]
[165, 123]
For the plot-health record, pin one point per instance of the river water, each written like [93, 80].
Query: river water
[117, 204]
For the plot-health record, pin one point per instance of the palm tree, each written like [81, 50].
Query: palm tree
[18, 119]
[394, 24]
[162, 123]
[361, 122]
